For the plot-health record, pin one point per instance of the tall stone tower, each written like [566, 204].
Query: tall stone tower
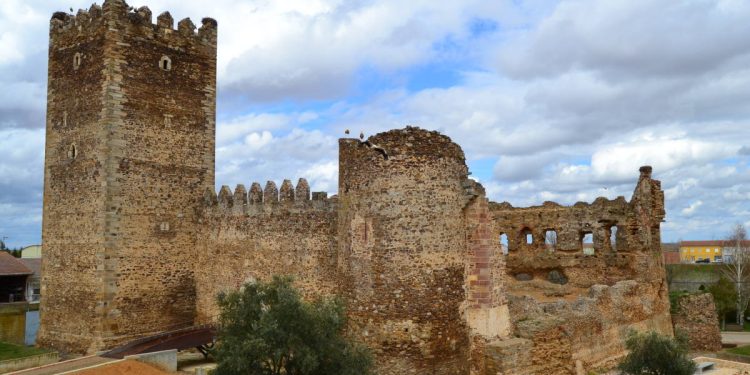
[129, 150]
[402, 242]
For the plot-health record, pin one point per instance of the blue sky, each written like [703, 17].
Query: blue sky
[551, 100]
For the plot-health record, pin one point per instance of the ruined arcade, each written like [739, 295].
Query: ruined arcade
[137, 241]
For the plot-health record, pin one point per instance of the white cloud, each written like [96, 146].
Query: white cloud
[690, 210]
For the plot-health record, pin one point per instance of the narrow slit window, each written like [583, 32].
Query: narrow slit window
[613, 237]
[77, 60]
[72, 151]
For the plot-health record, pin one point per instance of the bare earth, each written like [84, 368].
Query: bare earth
[128, 367]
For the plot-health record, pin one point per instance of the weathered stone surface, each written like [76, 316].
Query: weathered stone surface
[556, 277]
[696, 317]
[523, 277]
[129, 152]
[137, 240]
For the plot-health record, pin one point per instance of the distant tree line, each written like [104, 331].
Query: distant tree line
[16, 252]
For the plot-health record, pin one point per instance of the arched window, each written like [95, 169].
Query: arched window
[165, 63]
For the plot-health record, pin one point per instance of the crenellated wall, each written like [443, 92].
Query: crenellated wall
[137, 241]
[249, 235]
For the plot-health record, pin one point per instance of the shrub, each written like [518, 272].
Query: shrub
[266, 328]
[655, 354]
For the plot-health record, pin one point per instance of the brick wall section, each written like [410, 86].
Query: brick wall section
[696, 317]
[480, 249]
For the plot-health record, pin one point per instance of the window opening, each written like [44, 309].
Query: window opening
[550, 239]
[165, 63]
[72, 151]
[587, 243]
[504, 243]
[77, 60]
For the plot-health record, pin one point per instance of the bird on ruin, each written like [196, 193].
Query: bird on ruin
[71, 10]
[361, 135]
[346, 131]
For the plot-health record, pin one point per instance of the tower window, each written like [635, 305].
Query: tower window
[72, 151]
[165, 63]
[77, 60]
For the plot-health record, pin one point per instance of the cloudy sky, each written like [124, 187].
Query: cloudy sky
[551, 100]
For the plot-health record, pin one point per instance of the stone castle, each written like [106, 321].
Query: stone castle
[137, 242]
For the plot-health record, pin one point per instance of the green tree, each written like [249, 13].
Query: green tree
[655, 354]
[724, 298]
[267, 328]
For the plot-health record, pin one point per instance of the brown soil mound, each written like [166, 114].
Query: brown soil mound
[128, 367]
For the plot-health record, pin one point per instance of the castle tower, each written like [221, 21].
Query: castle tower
[402, 242]
[129, 151]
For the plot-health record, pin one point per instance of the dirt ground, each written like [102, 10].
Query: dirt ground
[128, 367]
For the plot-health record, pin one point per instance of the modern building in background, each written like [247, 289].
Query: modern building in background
[32, 252]
[702, 251]
[729, 247]
[671, 253]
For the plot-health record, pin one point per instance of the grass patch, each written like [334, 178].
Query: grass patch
[12, 351]
[740, 350]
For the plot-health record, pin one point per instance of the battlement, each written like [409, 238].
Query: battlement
[265, 200]
[116, 14]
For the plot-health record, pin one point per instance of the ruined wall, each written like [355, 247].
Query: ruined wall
[402, 245]
[130, 149]
[570, 308]
[264, 232]
[695, 317]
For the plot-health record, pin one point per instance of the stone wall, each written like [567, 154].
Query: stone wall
[572, 308]
[137, 242]
[130, 149]
[695, 316]
[257, 234]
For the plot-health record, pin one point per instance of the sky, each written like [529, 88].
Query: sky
[550, 100]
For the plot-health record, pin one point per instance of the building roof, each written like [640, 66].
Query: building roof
[670, 247]
[11, 266]
[712, 243]
[702, 243]
[34, 264]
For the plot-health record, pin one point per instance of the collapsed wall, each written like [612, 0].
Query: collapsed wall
[695, 317]
[572, 304]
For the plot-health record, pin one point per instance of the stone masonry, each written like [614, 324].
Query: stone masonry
[137, 241]
[695, 317]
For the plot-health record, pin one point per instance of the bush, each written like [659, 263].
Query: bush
[266, 328]
[654, 354]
